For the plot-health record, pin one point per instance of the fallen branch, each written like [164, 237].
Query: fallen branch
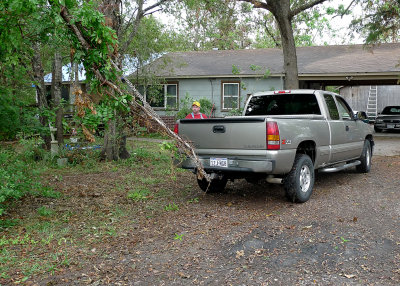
[134, 105]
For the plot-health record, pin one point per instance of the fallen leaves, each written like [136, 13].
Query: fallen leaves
[239, 253]
[183, 275]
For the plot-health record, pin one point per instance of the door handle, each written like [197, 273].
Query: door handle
[347, 128]
[219, 129]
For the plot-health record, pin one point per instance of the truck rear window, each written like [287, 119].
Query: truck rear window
[283, 104]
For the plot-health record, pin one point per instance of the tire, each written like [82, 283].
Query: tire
[299, 182]
[377, 130]
[215, 186]
[365, 158]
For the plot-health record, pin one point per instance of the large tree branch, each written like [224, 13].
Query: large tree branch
[303, 7]
[134, 104]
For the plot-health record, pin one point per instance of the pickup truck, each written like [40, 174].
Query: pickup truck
[282, 137]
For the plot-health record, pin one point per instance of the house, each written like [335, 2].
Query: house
[68, 78]
[228, 77]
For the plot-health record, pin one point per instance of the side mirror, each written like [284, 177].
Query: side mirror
[362, 115]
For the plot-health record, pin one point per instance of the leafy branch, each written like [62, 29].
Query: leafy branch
[105, 71]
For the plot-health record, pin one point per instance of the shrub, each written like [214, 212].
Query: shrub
[17, 177]
[17, 117]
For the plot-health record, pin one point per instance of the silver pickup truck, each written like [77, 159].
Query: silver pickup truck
[283, 137]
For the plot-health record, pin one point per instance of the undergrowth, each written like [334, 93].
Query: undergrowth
[43, 238]
[19, 177]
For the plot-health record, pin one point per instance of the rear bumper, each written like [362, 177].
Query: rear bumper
[234, 165]
[387, 126]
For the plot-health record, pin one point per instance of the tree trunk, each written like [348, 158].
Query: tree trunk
[56, 86]
[110, 145]
[114, 147]
[281, 10]
[38, 76]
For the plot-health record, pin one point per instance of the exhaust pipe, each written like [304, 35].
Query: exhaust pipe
[273, 180]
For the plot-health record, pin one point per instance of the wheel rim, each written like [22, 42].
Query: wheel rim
[305, 178]
[368, 157]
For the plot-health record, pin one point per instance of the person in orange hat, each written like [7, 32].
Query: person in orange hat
[196, 114]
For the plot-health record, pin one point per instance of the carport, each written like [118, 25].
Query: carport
[368, 76]
[350, 65]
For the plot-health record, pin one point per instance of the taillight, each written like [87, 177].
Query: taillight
[282, 91]
[176, 128]
[273, 139]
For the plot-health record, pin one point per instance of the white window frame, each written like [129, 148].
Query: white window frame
[231, 96]
[165, 88]
[166, 95]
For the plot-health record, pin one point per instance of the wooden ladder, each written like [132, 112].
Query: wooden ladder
[372, 105]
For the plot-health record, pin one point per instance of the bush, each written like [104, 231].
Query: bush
[9, 118]
[17, 117]
[17, 176]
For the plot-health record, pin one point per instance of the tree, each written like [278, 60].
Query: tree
[94, 42]
[56, 86]
[380, 21]
[284, 13]
[24, 28]
[125, 18]
[38, 79]
[211, 24]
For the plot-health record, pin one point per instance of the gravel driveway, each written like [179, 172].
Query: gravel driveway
[387, 144]
[347, 234]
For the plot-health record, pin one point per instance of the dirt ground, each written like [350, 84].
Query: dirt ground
[346, 234]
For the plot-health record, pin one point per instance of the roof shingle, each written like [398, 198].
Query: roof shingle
[383, 58]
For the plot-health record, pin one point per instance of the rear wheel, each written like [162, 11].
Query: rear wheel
[365, 158]
[215, 186]
[299, 182]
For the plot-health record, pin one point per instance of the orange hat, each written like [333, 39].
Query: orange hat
[196, 103]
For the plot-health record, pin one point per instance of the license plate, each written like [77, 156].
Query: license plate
[390, 126]
[219, 162]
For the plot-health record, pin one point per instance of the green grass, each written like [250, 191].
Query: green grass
[171, 207]
[45, 211]
[61, 230]
[141, 194]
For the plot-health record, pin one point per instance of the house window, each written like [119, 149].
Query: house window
[163, 96]
[230, 95]
[64, 93]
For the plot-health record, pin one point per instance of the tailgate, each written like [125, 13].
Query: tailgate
[225, 133]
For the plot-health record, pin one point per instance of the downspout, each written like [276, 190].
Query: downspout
[282, 83]
[212, 90]
[212, 96]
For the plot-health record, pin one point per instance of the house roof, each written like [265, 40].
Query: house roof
[317, 61]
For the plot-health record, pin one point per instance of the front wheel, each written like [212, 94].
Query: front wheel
[215, 186]
[299, 182]
[377, 130]
[365, 158]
